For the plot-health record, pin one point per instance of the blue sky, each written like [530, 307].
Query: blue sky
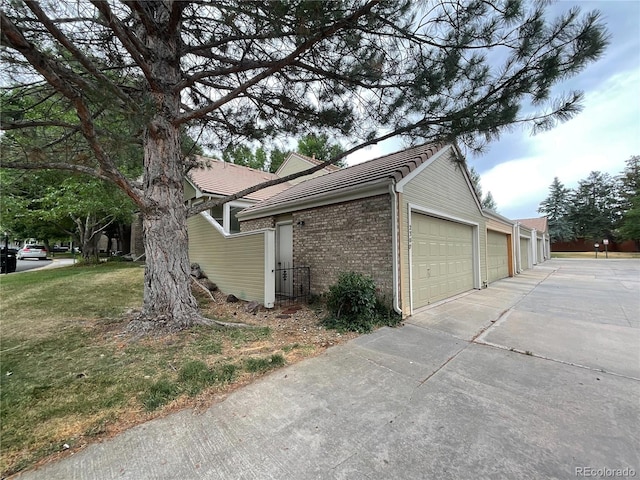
[519, 168]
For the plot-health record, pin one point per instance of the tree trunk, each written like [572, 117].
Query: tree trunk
[167, 291]
[90, 252]
[168, 302]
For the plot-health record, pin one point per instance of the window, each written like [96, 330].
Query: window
[218, 214]
[234, 224]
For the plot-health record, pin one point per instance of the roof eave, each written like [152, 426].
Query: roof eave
[364, 190]
[497, 216]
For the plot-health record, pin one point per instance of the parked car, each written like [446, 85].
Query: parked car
[32, 251]
[8, 260]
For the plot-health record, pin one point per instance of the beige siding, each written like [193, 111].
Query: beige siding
[235, 264]
[295, 165]
[497, 226]
[189, 191]
[441, 186]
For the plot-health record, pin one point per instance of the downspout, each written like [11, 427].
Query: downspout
[516, 248]
[394, 245]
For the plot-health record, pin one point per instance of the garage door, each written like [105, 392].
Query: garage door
[540, 251]
[442, 259]
[497, 255]
[524, 253]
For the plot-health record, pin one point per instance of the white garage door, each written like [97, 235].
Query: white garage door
[524, 253]
[442, 259]
[497, 255]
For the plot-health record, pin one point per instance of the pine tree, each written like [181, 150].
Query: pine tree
[557, 207]
[629, 189]
[595, 210]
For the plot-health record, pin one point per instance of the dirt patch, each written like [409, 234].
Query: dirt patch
[295, 329]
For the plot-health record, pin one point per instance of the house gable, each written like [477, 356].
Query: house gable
[440, 188]
[216, 179]
[296, 163]
[539, 224]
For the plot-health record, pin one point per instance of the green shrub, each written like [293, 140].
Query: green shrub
[353, 295]
[354, 306]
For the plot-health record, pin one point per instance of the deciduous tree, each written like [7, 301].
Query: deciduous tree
[320, 147]
[366, 70]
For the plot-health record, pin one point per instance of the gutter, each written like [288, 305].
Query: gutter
[394, 245]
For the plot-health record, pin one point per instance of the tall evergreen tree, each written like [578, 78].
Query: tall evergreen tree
[557, 207]
[489, 203]
[629, 182]
[595, 210]
[362, 69]
[486, 201]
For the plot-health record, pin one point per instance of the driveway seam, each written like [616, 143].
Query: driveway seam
[563, 362]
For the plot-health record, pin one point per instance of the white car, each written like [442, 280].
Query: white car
[32, 251]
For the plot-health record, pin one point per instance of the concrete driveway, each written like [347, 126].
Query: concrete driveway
[536, 377]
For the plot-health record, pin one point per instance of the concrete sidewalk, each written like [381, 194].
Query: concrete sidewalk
[537, 376]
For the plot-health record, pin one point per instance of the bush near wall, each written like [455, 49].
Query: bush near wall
[354, 306]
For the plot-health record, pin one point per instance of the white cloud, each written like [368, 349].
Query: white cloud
[601, 138]
[374, 151]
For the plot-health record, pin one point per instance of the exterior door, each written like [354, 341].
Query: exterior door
[497, 256]
[284, 259]
[442, 259]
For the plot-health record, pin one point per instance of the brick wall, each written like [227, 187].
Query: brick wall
[257, 224]
[351, 236]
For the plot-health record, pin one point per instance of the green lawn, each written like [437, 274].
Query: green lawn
[69, 373]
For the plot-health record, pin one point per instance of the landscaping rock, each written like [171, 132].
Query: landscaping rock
[232, 299]
[196, 271]
[252, 307]
[209, 285]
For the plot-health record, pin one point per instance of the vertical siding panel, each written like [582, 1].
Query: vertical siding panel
[235, 264]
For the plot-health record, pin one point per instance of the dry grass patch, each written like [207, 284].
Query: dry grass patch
[70, 375]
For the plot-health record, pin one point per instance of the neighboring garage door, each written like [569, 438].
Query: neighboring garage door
[540, 251]
[524, 253]
[442, 259]
[497, 255]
